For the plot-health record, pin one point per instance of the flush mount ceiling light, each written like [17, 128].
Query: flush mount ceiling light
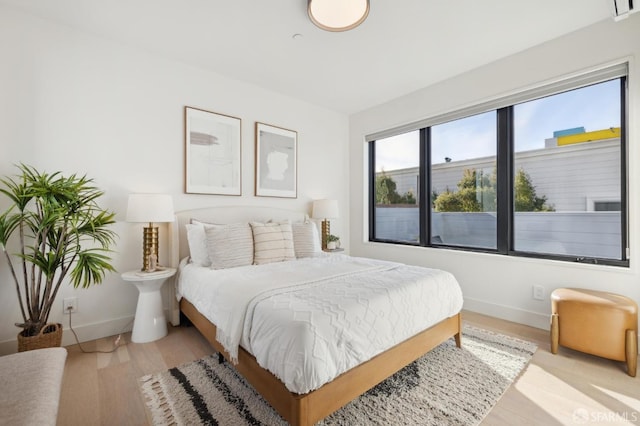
[337, 15]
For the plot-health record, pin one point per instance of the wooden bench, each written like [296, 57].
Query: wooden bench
[595, 322]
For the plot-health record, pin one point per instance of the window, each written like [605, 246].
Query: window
[541, 174]
[566, 146]
[463, 182]
[396, 188]
[607, 206]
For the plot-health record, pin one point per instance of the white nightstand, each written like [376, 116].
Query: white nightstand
[150, 323]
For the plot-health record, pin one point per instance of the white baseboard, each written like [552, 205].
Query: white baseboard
[85, 333]
[509, 313]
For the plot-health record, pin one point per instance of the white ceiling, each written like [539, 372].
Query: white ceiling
[403, 45]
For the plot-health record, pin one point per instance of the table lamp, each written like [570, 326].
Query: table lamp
[150, 208]
[325, 209]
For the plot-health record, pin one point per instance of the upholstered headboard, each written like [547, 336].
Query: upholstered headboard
[179, 247]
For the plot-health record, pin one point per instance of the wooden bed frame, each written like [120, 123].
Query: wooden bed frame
[306, 409]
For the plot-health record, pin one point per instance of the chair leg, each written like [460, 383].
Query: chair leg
[631, 352]
[555, 333]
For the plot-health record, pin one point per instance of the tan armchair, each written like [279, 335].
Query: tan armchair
[595, 322]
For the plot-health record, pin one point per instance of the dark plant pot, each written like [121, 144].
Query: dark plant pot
[50, 336]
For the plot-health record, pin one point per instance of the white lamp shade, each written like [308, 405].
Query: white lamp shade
[325, 209]
[337, 15]
[150, 208]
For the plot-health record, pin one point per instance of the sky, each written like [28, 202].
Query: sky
[594, 107]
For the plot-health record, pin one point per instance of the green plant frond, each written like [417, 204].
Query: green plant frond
[98, 218]
[100, 233]
[96, 230]
[105, 237]
[8, 224]
[90, 267]
[48, 262]
[19, 193]
[89, 194]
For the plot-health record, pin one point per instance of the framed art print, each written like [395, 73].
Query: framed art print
[276, 161]
[212, 153]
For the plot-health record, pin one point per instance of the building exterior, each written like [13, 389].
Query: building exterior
[576, 171]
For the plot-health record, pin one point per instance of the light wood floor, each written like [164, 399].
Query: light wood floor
[570, 388]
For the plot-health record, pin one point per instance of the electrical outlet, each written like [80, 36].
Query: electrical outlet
[70, 305]
[538, 292]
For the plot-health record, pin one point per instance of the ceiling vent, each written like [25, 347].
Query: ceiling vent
[623, 8]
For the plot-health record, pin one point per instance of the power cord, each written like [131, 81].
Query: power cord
[116, 342]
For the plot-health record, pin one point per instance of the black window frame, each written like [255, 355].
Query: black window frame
[504, 207]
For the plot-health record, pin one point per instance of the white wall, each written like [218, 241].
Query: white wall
[76, 103]
[492, 284]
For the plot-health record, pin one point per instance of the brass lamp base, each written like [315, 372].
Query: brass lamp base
[325, 233]
[150, 248]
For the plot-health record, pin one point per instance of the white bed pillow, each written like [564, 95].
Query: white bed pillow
[229, 245]
[272, 242]
[197, 240]
[306, 240]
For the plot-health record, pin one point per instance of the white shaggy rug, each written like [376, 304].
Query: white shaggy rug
[447, 386]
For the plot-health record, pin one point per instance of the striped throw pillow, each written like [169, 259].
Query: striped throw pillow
[229, 245]
[306, 240]
[272, 242]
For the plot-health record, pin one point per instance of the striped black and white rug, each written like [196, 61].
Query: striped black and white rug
[447, 386]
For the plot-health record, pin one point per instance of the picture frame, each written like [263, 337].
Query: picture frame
[276, 161]
[213, 152]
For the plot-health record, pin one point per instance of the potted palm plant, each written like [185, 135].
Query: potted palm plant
[59, 232]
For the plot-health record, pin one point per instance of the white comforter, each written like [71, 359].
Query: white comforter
[309, 320]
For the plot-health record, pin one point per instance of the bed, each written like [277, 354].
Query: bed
[303, 400]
